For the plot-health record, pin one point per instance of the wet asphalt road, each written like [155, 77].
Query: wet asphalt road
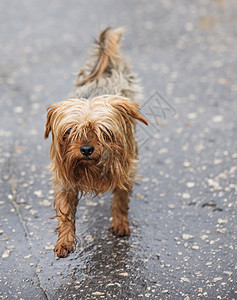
[183, 211]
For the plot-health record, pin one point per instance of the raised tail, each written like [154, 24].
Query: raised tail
[107, 53]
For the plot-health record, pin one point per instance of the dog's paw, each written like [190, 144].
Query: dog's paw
[63, 249]
[121, 229]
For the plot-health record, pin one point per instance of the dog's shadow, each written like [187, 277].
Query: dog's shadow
[98, 250]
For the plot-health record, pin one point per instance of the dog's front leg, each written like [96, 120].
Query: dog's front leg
[65, 204]
[119, 208]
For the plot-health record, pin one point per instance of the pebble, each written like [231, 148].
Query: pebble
[186, 195]
[49, 247]
[38, 193]
[185, 279]
[187, 236]
[217, 279]
[190, 184]
[98, 293]
[91, 203]
[18, 109]
[123, 274]
[223, 230]
[192, 116]
[6, 254]
[217, 119]
[186, 164]
[38, 270]
[89, 238]
[163, 151]
[214, 184]
[217, 161]
[45, 203]
[229, 273]
[222, 221]
[33, 211]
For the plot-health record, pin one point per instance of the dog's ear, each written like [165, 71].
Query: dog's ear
[51, 109]
[127, 108]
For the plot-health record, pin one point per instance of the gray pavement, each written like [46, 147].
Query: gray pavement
[183, 211]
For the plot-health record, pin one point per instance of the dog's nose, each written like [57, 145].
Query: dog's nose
[87, 150]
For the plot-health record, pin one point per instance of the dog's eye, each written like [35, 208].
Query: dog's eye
[108, 135]
[66, 134]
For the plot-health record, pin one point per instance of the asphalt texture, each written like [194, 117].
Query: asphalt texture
[182, 211]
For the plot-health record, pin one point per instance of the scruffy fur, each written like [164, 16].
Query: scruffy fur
[93, 146]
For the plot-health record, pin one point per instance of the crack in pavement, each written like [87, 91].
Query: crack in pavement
[13, 187]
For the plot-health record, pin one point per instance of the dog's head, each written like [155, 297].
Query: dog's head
[93, 146]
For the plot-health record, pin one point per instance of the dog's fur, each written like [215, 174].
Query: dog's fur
[98, 121]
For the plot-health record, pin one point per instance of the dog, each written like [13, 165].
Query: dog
[93, 146]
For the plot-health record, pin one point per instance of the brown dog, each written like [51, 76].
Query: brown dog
[93, 146]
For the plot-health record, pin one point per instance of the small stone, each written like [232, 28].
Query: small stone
[163, 151]
[217, 279]
[18, 109]
[195, 247]
[38, 193]
[217, 119]
[38, 270]
[49, 247]
[91, 203]
[223, 230]
[186, 164]
[214, 184]
[190, 184]
[187, 236]
[185, 279]
[98, 293]
[123, 274]
[229, 273]
[186, 195]
[192, 116]
[89, 238]
[28, 207]
[45, 203]
[6, 254]
[222, 221]
[33, 211]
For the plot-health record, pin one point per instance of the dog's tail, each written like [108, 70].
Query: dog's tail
[107, 53]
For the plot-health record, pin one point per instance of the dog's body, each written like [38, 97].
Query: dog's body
[93, 146]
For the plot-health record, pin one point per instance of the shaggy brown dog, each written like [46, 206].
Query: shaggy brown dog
[93, 146]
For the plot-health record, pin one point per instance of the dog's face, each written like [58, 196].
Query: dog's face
[93, 146]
